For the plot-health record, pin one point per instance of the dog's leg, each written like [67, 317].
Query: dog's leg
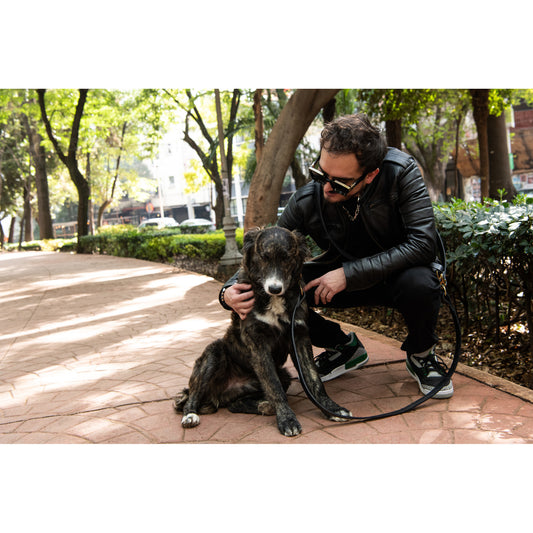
[312, 378]
[200, 385]
[265, 369]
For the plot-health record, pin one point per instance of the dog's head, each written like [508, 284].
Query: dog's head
[273, 258]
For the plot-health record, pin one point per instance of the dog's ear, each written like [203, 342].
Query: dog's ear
[303, 248]
[248, 243]
[249, 238]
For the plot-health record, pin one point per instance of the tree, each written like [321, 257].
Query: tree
[431, 138]
[395, 107]
[265, 189]
[499, 164]
[21, 105]
[191, 104]
[13, 173]
[488, 108]
[275, 101]
[38, 156]
[110, 191]
[480, 109]
[70, 158]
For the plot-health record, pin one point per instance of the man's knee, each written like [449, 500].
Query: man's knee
[417, 284]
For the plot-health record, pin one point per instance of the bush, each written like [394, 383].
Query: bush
[45, 245]
[490, 265]
[162, 245]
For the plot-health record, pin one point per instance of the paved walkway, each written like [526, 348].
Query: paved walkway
[93, 348]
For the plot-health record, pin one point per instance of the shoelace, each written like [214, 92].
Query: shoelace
[324, 356]
[433, 363]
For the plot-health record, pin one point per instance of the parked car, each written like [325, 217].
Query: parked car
[197, 225]
[164, 222]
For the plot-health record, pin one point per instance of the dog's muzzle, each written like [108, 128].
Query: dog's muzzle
[274, 286]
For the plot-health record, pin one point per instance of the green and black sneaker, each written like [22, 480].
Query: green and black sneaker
[428, 370]
[344, 357]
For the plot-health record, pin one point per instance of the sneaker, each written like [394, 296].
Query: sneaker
[339, 360]
[428, 371]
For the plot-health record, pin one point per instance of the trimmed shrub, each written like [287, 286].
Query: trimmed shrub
[163, 246]
[490, 264]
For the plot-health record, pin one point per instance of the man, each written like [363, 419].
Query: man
[369, 208]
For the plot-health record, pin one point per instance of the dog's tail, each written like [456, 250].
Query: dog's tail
[180, 400]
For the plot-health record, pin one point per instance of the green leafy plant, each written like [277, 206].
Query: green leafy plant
[490, 255]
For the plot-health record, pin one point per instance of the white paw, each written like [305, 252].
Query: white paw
[190, 420]
[345, 413]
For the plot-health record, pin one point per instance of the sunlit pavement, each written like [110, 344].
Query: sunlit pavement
[93, 348]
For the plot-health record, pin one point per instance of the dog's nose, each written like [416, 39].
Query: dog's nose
[275, 288]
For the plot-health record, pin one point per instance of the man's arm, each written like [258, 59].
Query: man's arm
[419, 245]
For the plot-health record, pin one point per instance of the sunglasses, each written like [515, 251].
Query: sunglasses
[338, 185]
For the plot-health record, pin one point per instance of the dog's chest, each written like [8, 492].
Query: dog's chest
[275, 313]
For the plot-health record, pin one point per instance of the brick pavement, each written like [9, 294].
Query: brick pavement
[92, 348]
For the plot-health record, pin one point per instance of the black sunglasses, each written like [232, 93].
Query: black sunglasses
[317, 174]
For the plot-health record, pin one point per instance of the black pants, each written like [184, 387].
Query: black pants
[415, 292]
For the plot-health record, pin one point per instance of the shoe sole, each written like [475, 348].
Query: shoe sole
[443, 394]
[339, 371]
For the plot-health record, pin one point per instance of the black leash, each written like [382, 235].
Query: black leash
[405, 409]
[441, 274]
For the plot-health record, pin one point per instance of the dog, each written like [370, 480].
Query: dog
[244, 370]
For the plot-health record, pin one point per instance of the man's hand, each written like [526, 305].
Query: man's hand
[328, 285]
[240, 298]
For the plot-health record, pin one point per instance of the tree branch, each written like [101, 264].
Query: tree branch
[74, 134]
[48, 126]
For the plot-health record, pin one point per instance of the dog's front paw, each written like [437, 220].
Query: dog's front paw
[190, 420]
[289, 426]
[341, 415]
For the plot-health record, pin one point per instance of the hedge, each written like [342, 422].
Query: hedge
[490, 265]
[162, 246]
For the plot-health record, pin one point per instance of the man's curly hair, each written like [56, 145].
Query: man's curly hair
[356, 135]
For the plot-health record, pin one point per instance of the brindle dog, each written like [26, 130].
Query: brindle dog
[244, 370]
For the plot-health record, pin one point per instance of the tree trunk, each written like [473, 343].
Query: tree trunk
[84, 192]
[393, 129]
[38, 157]
[480, 105]
[28, 214]
[219, 202]
[459, 186]
[259, 125]
[499, 165]
[290, 127]
[328, 112]
[298, 175]
[101, 210]
[90, 202]
[70, 159]
[11, 237]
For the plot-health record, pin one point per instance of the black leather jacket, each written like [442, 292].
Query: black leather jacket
[395, 210]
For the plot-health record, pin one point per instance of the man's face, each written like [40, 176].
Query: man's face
[342, 167]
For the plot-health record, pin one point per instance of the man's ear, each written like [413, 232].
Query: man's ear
[370, 177]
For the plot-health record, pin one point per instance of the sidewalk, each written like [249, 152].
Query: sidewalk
[93, 348]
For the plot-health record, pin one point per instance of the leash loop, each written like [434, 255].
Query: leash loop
[440, 269]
